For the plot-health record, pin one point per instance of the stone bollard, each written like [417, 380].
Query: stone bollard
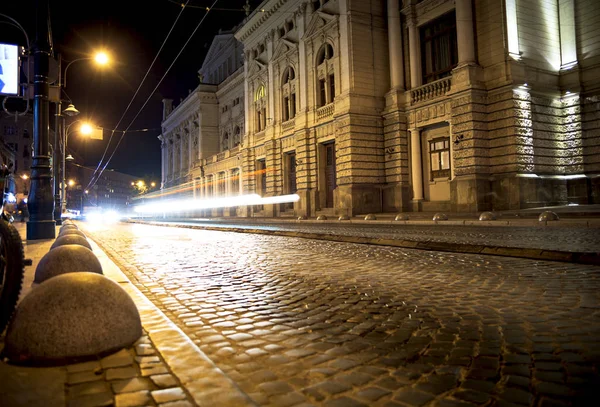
[487, 216]
[401, 216]
[440, 216]
[548, 216]
[71, 239]
[71, 232]
[322, 217]
[64, 259]
[344, 217]
[70, 318]
[370, 217]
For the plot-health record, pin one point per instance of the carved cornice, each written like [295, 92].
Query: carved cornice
[258, 18]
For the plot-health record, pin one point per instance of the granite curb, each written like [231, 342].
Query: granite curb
[592, 258]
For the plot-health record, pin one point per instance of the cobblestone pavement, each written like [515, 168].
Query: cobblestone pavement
[300, 322]
[563, 238]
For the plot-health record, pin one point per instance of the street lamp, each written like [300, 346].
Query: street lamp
[61, 132]
[85, 128]
[101, 58]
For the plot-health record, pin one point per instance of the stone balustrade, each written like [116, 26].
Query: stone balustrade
[430, 91]
[326, 111]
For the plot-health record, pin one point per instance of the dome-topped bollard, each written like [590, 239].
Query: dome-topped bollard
[71, 239]
[487, 216]
[72, 232]
[71, 318]
[370, 216]
[66, 259]
[548, 216]
[401, 216]
[440, 216]
[344, 217]
[322, 217]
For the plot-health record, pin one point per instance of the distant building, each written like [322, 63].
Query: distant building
[389, 106]
[111, 191]
[16, 133]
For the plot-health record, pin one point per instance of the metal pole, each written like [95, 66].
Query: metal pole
[59, 128]
[41, 223]
[64, 173]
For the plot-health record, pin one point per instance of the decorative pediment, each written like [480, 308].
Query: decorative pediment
[318, 22]
[216, 47]
[256, 66]
[284, 48]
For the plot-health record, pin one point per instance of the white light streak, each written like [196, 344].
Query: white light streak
[178, 205]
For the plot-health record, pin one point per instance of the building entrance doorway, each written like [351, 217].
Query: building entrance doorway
[330, 174]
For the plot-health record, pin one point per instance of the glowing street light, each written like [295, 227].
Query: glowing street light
[101, 58]
[85, 128]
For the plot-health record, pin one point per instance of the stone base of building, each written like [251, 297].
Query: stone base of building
[355, 200]
[470, 194]
[519, 192]
[396, 198]
[306, 206]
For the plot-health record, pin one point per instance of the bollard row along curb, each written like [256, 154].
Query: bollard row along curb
[527, 253]
[73, 313]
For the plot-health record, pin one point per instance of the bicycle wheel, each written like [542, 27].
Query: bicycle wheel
[12, 270]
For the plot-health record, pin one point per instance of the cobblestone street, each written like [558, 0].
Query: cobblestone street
[300, 322]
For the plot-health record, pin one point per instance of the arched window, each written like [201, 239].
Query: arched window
[325, 53]
[288, 94]
[260, 108]
[326, 75]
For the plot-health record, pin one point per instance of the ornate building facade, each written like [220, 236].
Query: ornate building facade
[394, 106]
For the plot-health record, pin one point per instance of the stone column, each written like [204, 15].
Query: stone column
[464, 32]
[415, 53]
[395, 45]
[417, 167]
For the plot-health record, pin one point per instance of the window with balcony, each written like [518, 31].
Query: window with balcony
[260, 109]
[326, 76]
[439, 157]
[439, 50]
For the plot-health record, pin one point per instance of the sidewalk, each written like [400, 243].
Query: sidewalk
[163, 368]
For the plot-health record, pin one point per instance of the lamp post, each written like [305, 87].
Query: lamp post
[61, 132]
[101, 58]
[41, 224]
[85, 129]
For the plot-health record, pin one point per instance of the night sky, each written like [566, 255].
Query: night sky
[132, 32]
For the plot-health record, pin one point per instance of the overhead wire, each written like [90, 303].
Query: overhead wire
[95, 176]
[90, 184]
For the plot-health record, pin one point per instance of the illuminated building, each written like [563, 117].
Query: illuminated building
[389, 106]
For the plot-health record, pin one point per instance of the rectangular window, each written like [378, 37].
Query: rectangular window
[235, 182]
[258, 121]
[439, 51]
[9, 130]
[331, 88]
[439, 157]
[322, 93]
[286, 108]
[293, 106]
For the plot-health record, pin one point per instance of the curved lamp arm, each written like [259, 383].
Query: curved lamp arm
[64, 83]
